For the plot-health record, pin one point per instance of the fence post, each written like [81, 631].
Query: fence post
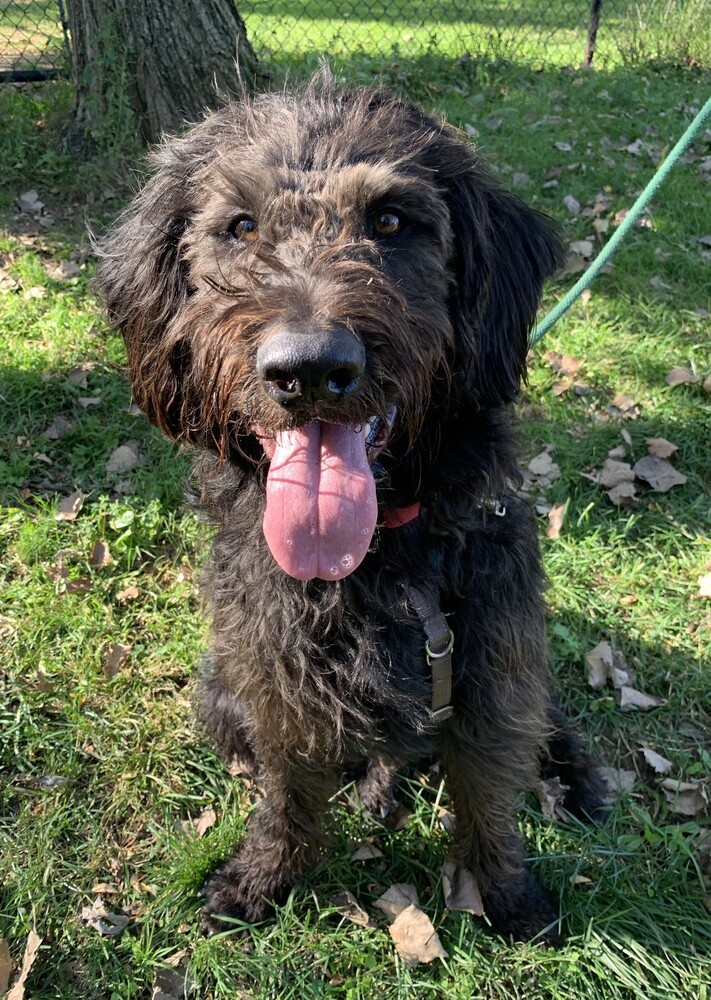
[593, 25]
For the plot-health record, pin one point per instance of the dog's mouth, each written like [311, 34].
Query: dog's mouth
[321, 503]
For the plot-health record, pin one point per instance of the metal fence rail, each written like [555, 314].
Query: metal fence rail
[537, 33]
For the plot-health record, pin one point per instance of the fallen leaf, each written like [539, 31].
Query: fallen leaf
[564, 147]
[685, 798]
[102, 920]
[583, 247]
[494, 122]
[571, 203]
[618, 453]
[614, 472]
[30, 203]
[707, 383]
[563, 363]
[86, 401]
[705, 585]
[142, 887]
[556, 517]
[601, 226]
[472, 132]
[172, 984]
[461, 892]
[659, 473]
[415, 938]
[348, 907]
[58, 428]
[574, 264]
[660, 447]
[544, 468]
[366, 852]
[681, 376]
[619, 782]
[31, 948]
[129, 593]
[124, 458]
[551, 793]
[70, 506]
[580, 880]
[48, 782]
[655, 760]
[100, 554]
[607, 664]
[206, 820]
[659, 285]
[623, 493]
[77, 585]
[106, 889]
[621, 404]
[114, 658]
[631, 699]
[395, 899]
[6, 965]
[520, 180]
[63, 270]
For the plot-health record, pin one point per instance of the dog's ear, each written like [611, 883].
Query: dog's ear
[504, 251]
[143, 277]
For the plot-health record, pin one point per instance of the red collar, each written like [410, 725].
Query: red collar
[396, 517]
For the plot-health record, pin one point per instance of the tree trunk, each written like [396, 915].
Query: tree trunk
[144, 67]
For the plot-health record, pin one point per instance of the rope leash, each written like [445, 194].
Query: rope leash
[628, 222]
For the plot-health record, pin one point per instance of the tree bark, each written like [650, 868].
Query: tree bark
[147, 66]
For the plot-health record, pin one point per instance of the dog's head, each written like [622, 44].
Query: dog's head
[304, 280]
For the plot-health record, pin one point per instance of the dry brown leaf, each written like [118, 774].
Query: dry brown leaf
[600, 664]
[631, 700]
[655, 760]
[106, 889]
[142, 887]
[619, 782]
[686, 798]
[395, 899]
[659, 473]
[129, 593]
[615, 473]
[556, 517]
[124, 458]
[206, 820]
[574, 264]
[348, 907]
[585, 248]
[103, 920]
[705, 585]
[660, 447]
[114, 658]
[100, 554]
[580, 880]
[707, 383]
[571, 203]
[173, 983]
[58, 428]
[681, 376]
[622, 405]
[544, 468]
[618, 453]
[366, 852]
[77, 585]
[551, 792]
[622, 494]
[70, 506]
[415, 937]
[86, 401]
[6, 965]
[560, 388]
[461, 892]
[31, 948]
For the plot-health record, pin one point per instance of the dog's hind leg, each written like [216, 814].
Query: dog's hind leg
[376, 789]
[283, 835]
[586, 797]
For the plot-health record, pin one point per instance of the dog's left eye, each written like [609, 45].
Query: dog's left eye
[387, 224]
[244, 229]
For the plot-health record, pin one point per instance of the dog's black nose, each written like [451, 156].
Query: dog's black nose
[310, 367]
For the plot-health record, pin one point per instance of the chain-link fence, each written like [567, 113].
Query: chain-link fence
[537, 33]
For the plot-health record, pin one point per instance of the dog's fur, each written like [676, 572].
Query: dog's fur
[308, 679]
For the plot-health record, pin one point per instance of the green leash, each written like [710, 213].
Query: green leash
[634, 213]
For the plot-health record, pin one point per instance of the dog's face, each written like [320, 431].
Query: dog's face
[303, 280]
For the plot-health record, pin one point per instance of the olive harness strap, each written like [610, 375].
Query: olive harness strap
[438, 648]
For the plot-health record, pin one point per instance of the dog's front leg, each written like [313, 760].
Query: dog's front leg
[283, 835]
[483, 774]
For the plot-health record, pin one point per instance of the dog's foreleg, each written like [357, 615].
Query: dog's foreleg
[283, 835]
[483, 777]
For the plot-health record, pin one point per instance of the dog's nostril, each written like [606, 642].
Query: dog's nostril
[342, 381]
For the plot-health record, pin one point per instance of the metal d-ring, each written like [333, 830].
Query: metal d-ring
[445, 652]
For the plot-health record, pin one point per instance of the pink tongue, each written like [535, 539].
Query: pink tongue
[321, 503]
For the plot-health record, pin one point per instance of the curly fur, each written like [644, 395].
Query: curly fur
[308, 679]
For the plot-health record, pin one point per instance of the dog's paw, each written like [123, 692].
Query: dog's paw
[232, 898]
[523, 910]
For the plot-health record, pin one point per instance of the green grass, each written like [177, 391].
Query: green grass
[132, 765]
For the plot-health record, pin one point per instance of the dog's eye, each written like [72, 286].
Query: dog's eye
[387, 224]
[244, 229]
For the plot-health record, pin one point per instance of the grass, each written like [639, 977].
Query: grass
[104, 774]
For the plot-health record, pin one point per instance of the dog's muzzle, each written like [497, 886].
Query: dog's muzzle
[306, 368]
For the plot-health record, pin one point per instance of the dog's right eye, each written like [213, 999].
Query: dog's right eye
[244, 229]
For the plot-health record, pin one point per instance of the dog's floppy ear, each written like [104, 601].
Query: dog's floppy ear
[504, 251]
[143, 277]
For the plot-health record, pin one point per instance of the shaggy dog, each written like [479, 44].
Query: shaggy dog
[329, 299]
